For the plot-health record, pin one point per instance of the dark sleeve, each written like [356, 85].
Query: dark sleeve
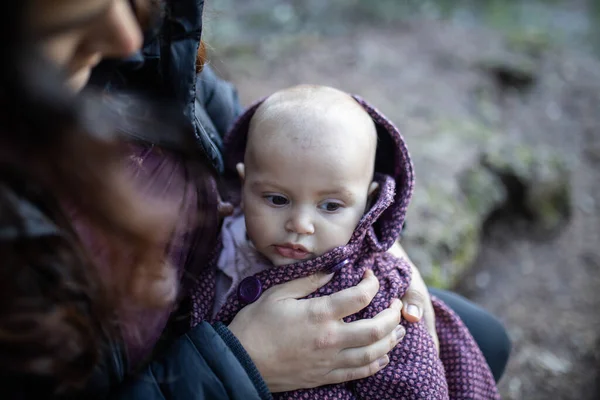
[489, 333]
[206, 363]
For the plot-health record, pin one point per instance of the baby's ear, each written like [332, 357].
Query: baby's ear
[373, 187]
[241, 170]
[371, 195]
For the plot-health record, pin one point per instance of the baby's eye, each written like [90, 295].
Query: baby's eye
[276, 200]
[330, 206]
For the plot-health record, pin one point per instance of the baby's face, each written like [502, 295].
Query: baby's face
[305, 192]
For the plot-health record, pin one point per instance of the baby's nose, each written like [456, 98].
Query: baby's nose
[300, 223]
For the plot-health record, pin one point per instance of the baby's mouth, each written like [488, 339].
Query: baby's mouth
[293, 251]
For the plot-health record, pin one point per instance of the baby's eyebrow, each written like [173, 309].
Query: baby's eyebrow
[261, 184]
[343, 192]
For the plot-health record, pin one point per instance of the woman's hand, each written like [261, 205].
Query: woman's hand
[416, 300]
[300, 344]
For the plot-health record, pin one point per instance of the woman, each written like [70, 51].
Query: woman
[87, 288]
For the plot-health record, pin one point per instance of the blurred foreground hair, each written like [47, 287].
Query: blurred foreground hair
[57, 311]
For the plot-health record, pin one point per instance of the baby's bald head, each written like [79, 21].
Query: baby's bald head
[309, 117]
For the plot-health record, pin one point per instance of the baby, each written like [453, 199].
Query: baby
[326, 181]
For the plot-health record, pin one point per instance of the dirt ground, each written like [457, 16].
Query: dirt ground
[544, 286]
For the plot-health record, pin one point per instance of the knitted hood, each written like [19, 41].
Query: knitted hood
[382, 224]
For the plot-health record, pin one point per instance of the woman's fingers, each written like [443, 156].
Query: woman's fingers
[301, 287]
[365, 332]
[351, 374]
[416, 299]
[362, 362]
[362, 356]
[301, 343]
[345, 302]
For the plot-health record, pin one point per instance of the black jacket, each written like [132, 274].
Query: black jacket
[207, 362]
[165, 69]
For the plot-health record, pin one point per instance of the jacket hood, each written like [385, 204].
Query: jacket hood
[165, 69]
[382, 224]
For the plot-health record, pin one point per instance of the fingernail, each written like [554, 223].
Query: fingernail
[413, 310]
[383, 361]
[399, 332]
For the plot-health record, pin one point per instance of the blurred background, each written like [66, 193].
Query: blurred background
[499, 101]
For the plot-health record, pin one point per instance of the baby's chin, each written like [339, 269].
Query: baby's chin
[279, 261]
[284, 262]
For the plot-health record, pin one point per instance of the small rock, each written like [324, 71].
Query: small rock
[586, 204]
[553, 111]
[516, 333]
[283, 13]
[514, 387]
[538, 357]
[527, 268]
[483, 279]
[552, 363]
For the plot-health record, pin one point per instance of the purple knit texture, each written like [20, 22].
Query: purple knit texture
[415, 370]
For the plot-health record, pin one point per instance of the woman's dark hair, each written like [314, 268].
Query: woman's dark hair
[57, 310]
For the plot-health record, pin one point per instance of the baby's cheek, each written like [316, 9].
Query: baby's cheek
[263, 231]
[335, 237]
[338, 232]
[256, 229]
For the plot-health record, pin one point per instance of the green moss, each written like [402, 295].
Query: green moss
[548, 215]
[552, 208]
[465, 253]
[533, 42]
[483, 190]
[525, 156]
[508, 158]
[449, 260]
[467, 129]
[436, 278]
[542, 172]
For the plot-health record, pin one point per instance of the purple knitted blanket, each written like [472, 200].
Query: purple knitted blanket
[415, 370]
